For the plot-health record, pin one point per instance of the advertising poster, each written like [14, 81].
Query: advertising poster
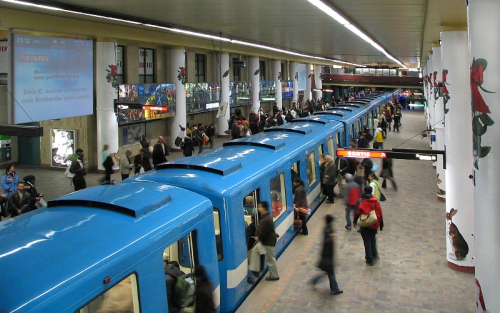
[4, 57]
[5, 154]
[63, 144]
[132, 134]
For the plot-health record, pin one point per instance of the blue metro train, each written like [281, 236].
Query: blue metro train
[102, 249]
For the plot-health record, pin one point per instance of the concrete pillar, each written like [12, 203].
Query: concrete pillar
[458, 141]
[439, 124]
[278, 77]
[177, 64]
[484, 49]
[318, 93]
[307, 92]
[222, 124]
[253, 70]
[295, 79]
[107, 124]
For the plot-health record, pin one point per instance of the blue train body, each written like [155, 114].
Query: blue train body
[58, 258]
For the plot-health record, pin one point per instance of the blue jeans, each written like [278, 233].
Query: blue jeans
[350, 208]
[334, 286]
[200, 147]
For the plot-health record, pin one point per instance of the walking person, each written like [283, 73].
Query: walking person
[188, 149]
[330, 178]
[267, 236]
[327, 262]
[78, 168]
[141, 162]
[211, 135]
[300, 201]
[107, 163]
[342, 166]
[351, 198]
[387, 173]
[374, 183]
[397, 120]
[126, 165]
[369, 233]
[379, 138]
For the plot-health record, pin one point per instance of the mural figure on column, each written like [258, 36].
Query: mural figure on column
[257, 71]
[436, 86]
[458, 242]
[297, 75]
[280, 76]
[446, 94]
[480, 118]
[182, 75]
[480, 304]
[225, 73]
[111, 77]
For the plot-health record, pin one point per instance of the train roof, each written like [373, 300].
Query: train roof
[245, 157]
[46, 252]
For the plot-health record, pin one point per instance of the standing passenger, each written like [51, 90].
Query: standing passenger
[78, 168]
[126, 165]
[267, 235]
[368, 234]
[330, 177]
[10, 180]
[327, 262]
[204, 299]
[342, 166]
[300, 200]
[351, 198]
[19, 201]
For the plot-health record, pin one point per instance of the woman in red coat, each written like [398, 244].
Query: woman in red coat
[368, 234]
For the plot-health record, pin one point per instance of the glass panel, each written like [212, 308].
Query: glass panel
[149, 61]
[295, 170]
[311, 169]
[278, 196]
[218, 235]
[320, 150]
[122, 297]
[250, 203]
[331, 149]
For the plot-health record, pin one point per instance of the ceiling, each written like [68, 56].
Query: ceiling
[407, 29]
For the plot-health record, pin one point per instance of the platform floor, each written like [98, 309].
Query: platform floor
[412, 274]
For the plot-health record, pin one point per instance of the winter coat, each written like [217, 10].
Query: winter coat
[327, 253]
[19, 202]
[266, 232]
[188, 146]
[366, 207]
[10, 181]
[300, 196]
[330, 174]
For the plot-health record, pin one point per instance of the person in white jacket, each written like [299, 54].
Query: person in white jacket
[126, 164]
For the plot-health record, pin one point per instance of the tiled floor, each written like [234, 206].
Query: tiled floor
[412, 274]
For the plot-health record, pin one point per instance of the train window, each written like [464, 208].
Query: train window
[278, 196]
[321, 150]
[184, 252]
[353, 132]
[311, 169]
[295, 170]
[250, 203]
[331, 149]
[122, 297]
[218, 235]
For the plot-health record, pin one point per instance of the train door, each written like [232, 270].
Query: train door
[321, 150]
[278, 196]
[181, 257]
[331, 147]
[122, 297]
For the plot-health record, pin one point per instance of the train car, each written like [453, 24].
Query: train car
[237, 176]
[103, 249]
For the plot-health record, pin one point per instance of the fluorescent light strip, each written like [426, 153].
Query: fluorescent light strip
[336, 16]
[322, 6]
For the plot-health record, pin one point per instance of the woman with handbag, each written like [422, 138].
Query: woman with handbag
[369, 217]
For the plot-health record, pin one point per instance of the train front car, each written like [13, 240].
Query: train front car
[105, 248]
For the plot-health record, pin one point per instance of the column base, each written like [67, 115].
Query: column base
[463, 269]
[441, 199]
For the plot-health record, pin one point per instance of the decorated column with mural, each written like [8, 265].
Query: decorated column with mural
[106, 93]
[430, 103]
[224, 110]
[307, 92]
[460, 250]
[484, 60]
[278, 77]
[178, 76]
[294, 75]
[318, 92]
[254, 70]
[439, 123]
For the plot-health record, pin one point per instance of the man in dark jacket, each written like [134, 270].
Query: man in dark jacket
[172, 272]
[342, 166]
[77, 168]
[327, 263]
[330, 178]
[19, 201]
[267, 236]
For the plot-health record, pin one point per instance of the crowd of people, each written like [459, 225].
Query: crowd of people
[19, 196]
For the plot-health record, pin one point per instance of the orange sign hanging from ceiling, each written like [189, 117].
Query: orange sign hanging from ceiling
[361, 154]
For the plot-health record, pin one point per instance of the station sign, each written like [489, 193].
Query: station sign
[406, 154]
[361, 154]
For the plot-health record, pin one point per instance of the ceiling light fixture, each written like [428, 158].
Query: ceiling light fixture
[333, 14]
[336, 16]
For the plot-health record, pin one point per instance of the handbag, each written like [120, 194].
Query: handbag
[297, 222]
[366, 220]
[382, 197]
[374, 167]
[178, 140]
[301, 209]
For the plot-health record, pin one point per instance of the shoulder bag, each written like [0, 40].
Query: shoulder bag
[367, 220]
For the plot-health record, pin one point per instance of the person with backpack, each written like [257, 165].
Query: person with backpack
[351, 197]
[172, 272]
[379, 138]
[204, 299]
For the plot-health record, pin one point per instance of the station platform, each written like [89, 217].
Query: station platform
[412, 274]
